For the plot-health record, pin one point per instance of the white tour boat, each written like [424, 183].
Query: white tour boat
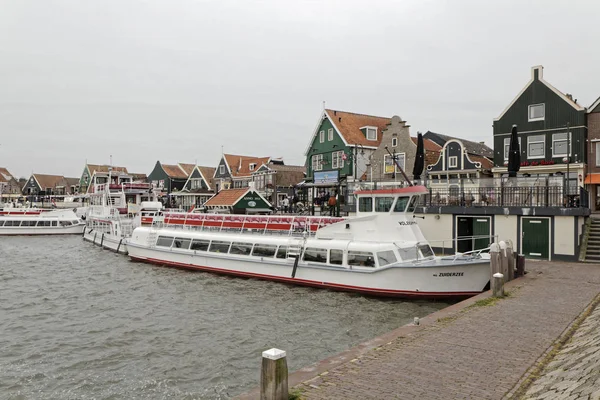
[115, 210]
[36, 222]
[381, 251]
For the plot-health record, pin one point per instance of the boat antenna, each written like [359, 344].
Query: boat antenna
[399, 167]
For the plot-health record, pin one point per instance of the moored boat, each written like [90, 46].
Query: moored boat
[381, 251]
[58, 222]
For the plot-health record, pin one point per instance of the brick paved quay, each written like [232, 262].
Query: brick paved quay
[573, 373]
[466, 351]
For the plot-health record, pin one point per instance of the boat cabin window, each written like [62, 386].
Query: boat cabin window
[336, 256]
[12, 223]
[401, 203]
[217, 246]
[1, 223]
[164, 241]
[413, 204]
[199, 244]
[282, 252]
[65, 223]
[54, 223]
[74, 222]
[28, 223]
[265, 250]
[241, 248]
[426, 250]
[408, 253]
[361, 259]
[383, 204]
[365, 204]
[386, 257]
[315, 255]
[182, 243]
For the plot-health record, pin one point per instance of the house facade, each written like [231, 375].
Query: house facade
[339, 154]
[235, 171]
[277, 181]
[94, 174]
[198, 188]
[592, 180]
[169, 178]
[238, 201]
[552, 130]
[10, 189]
[49, 185]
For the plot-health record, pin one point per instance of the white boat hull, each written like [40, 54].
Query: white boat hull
[425, 280]
[106, 241]
[42, 230]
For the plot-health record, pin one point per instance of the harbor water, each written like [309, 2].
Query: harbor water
[78, 322]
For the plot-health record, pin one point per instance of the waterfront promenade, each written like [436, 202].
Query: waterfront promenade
[474, 349]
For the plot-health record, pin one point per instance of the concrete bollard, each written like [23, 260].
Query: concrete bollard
[498, 285]
[510, 256]
[274, 375]
[503, 260]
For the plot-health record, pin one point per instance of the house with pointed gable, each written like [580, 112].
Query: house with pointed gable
[552, 131]
[49, 185]
[94, 174]
[10, 189]
[235, 171]
[169, 178]
[238, 201]
[198, 188]
[276, 181]
[339, 153]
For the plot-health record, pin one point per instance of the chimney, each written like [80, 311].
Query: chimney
[569, 96]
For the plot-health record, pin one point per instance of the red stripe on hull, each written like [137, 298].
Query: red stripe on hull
[304, 282]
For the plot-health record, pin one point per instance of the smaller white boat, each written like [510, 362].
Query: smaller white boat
[36, 222]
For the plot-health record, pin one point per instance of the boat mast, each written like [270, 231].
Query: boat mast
[399, 167]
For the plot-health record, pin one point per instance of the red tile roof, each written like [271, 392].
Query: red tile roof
[240, 165]
[174, 171]
[104, 168]
[429, 145]
[208, 173]
[5, 176]
[188, 168]
[50, 181]
[226, 197]
[349, 124]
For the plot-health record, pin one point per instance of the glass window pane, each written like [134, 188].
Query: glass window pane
[386, 258]
[560, 148]
[426, 250]
[182, 243]
[401, 204]
[336, 257]
[263, 250]
[361, 259]
[241, 248]
[365, 204]
[217, 246]
[201, 245]
[383, 204]
[282, 252]
[315, 255]
[164, 241]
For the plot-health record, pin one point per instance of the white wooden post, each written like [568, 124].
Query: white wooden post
[498, 285]
[503, 260]
[274, 375]
[494, 262]
[510, 256]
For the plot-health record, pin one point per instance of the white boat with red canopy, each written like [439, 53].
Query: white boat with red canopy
[381, 251]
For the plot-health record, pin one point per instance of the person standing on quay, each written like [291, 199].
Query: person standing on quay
[332, 203]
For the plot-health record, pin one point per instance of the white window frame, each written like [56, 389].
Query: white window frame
[387, 157]
[453, 162]
[530, 142]
[371, 129]
[221, 169]
[252, 166]
[568, 140]
[507, 147]
[317, 162]
[337, 160]
[322, 137]
[394, 142]
[330, 134]
[597, 154]
[530, 119]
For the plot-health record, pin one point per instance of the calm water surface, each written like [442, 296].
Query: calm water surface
[77, 322]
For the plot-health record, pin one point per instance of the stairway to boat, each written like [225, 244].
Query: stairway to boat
[592, 241]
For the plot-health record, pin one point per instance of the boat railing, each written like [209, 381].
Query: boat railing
[451, 245]
[292, 225]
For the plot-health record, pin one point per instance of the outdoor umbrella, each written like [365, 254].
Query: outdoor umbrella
[419, 158]
[514, 154]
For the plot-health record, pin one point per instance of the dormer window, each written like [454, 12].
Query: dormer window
[221, 169]
[537, 112]
[371, 133]
[252, 166]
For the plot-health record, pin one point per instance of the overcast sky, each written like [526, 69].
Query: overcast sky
[177, 79]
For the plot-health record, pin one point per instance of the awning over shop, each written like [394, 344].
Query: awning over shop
[592, 179]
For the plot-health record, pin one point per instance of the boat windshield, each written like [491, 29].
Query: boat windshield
[401, 203]
[426, 250]
[413, 204]
[383, 204]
